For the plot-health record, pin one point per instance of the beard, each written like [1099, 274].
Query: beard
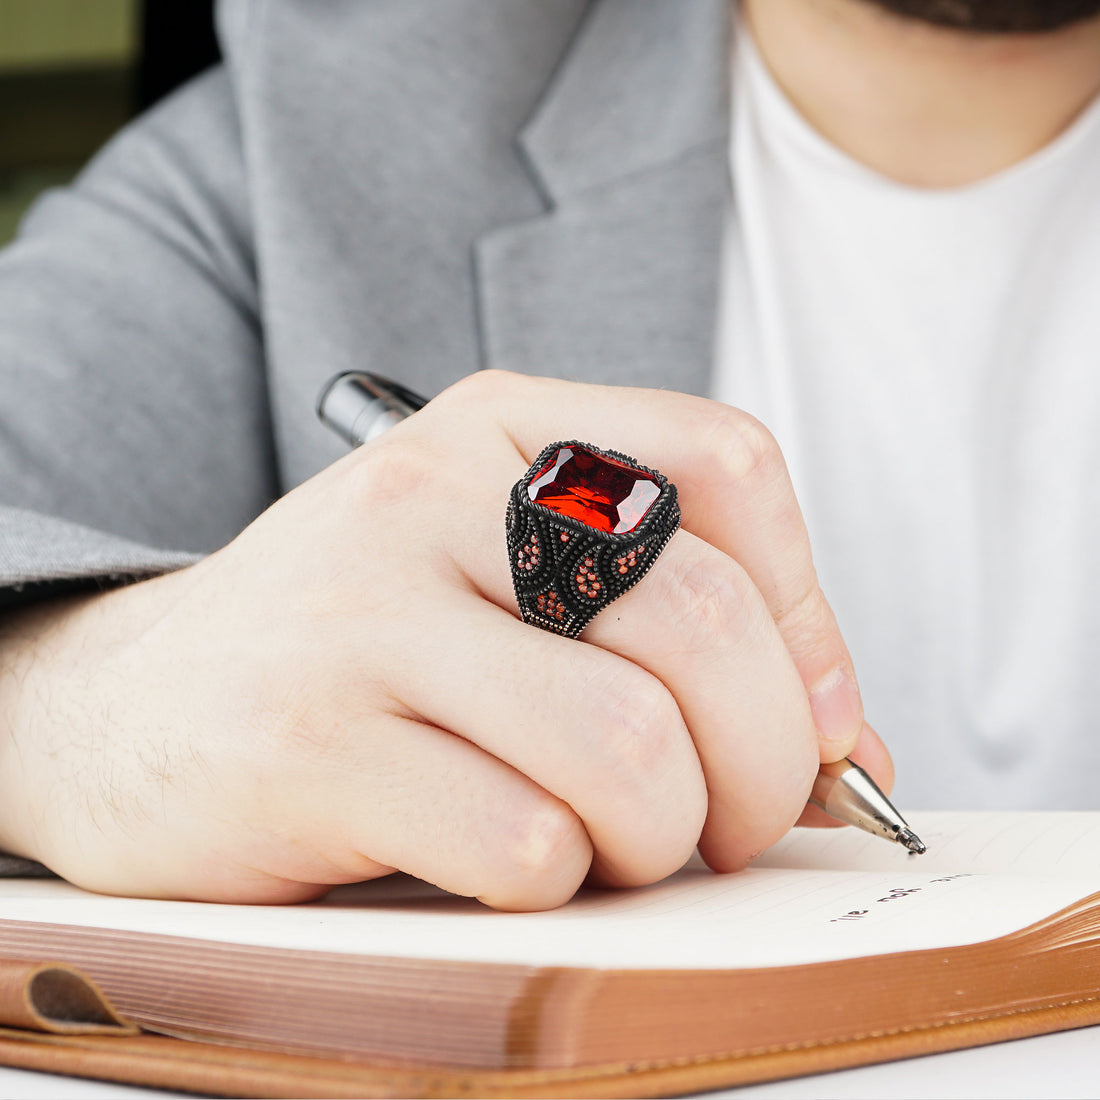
[995, 16]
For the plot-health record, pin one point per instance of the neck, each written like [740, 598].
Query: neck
[925, 105]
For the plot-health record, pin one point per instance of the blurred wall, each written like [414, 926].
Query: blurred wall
[63, 34]
[73, 71]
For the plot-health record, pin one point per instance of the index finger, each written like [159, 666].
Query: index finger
[735, 493]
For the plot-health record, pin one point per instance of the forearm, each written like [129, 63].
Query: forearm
[134, 433]
[30, 651]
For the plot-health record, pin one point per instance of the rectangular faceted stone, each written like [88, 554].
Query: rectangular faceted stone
[599, 491]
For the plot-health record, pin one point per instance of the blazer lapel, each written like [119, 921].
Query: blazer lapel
[617, 280]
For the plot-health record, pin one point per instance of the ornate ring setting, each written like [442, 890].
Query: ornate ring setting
[584, 525]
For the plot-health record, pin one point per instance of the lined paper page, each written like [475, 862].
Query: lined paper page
[1027, 843]
[789, 908]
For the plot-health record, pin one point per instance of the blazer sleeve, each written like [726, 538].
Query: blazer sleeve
[134, 424]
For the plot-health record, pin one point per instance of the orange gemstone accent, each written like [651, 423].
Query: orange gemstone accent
[549, 605]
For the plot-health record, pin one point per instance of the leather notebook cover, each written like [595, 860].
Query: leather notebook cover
[56, 1020]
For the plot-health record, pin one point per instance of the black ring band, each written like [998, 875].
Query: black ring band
[565, 569]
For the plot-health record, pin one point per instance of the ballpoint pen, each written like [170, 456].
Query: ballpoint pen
[360, 406]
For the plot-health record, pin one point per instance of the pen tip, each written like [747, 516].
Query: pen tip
[912, 841]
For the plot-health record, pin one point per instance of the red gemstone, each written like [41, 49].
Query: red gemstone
[599, 491]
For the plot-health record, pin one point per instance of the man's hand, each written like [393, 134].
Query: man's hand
[346, 688]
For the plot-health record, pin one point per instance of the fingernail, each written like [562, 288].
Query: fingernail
[836, 707]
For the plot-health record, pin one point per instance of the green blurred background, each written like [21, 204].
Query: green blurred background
[73, 71]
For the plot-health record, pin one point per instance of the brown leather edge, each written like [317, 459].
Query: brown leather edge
[156, 1061]
[56, 997]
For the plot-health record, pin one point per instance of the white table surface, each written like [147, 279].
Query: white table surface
[1050, 1067]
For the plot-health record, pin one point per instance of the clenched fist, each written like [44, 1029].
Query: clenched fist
[346, 688]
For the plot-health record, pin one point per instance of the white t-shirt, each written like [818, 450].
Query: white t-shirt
[929, 360]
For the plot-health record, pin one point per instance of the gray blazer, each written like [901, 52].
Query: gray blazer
[419, 187]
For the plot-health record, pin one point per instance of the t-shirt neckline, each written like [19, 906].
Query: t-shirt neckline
[786, 122]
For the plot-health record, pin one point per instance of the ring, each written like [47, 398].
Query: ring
[584, 526]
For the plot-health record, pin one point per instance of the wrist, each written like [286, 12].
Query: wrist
[30, 652]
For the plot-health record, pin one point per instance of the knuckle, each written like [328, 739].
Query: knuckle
[543, 842]
[809, 627]
[741, 446]
[636, 726]
[474, 390]
[389, 474]
[713, 602]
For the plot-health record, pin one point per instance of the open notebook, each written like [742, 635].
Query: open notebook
[831, 938]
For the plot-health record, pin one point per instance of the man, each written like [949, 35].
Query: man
[343, 687]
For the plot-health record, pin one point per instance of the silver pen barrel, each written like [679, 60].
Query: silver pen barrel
[845, 791]
[359, 406]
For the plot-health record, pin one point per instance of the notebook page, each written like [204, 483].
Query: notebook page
[1040, 843]
[765, 916]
